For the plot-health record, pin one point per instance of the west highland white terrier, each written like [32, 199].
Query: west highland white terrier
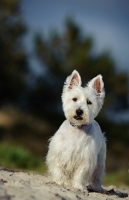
[77, 151]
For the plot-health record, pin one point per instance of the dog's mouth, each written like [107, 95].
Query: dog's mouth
[78, 117]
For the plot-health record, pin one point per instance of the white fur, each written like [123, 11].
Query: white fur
[77, 154]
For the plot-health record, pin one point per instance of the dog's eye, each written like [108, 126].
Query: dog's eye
[74, 99]
[89, 102]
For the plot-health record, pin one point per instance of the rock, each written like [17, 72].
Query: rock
[19, 185]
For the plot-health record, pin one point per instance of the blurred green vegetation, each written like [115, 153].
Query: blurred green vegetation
[20, 158]
[118, 178]
[30, 106]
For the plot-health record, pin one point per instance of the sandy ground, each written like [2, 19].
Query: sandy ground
[18, 185]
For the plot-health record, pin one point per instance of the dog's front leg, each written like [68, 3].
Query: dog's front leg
[79, 179]
[99, 171]
[58, 175]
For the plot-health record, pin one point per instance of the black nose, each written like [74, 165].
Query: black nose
[79, 112]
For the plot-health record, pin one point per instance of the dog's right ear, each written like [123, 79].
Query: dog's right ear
[73, 80]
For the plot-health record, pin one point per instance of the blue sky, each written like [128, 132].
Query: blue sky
[106, 20]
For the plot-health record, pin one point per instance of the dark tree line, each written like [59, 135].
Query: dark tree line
[13, 62]
[62, 53]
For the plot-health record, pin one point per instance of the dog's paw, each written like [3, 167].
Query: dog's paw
[59, 182]
[78, 186]
[99, 189]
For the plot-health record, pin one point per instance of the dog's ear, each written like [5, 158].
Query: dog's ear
[73, 80]
[97, 84]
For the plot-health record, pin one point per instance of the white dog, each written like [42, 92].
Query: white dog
[77, 151]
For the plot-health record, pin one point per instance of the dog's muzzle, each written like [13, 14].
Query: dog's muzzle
[79, 113]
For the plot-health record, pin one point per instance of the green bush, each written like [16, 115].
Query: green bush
[15, 156]
[118, 178]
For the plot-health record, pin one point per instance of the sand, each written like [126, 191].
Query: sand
[22, 185]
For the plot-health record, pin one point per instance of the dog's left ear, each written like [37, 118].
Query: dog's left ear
[73, 80]
[97, 84]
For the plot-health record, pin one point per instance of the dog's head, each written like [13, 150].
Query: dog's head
[82, 105]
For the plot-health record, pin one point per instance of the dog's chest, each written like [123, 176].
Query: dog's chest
[79, 147]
